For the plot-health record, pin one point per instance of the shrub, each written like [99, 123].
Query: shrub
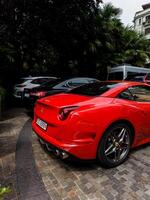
[2, 99]
[2, 92]
[3, 191]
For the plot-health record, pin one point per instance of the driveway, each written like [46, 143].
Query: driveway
[34, 174]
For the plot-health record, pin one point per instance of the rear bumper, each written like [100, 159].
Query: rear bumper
[18, 95]
[83, 149]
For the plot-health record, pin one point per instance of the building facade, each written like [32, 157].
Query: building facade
[142, 21]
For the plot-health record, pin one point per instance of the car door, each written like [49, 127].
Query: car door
[141, 96]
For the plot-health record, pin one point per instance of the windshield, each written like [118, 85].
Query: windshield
[74, 82]
[94, 89]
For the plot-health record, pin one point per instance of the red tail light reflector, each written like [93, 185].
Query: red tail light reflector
[64, 112]
[38, 94]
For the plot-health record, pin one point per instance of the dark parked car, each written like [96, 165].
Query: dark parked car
[57, 86]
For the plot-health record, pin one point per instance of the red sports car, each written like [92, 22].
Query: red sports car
[95, 121]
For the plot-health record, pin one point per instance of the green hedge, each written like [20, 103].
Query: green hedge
[2, 92]
[2, 99]
[3, 191]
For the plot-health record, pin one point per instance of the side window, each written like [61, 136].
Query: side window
[40, 80]
[148, 77]
[92, 81]
[75, 83]
[140, 93]
[126, 94]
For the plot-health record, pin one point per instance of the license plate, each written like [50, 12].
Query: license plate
[41, 124]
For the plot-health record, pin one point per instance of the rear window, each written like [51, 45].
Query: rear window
[94, 89]
[40, 80]
[22, 80]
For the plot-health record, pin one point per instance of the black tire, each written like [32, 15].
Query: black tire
[115, 145]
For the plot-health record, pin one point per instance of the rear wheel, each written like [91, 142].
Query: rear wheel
[115, 145]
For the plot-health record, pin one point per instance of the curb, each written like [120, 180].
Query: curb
[29, 182]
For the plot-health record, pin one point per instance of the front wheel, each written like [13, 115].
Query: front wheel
[115, 145]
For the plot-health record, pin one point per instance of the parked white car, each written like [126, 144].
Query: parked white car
[29, 83]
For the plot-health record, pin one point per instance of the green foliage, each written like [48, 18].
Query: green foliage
[3, 191]
[2, 91]
[2, 104]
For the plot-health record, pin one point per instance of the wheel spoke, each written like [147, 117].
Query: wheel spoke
[119, 154]
[124, 146]
[115, 156]
[121, 135]
[110, 150]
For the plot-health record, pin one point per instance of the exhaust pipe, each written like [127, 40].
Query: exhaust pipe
[64, 155]
[57, 152]
[48, 147]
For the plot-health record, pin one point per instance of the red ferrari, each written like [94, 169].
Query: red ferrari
[101, 121]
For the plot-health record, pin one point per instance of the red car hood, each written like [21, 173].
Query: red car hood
[61, 100]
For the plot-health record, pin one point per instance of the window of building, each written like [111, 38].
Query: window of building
[147, 18]
[147, 31]
[140, 21]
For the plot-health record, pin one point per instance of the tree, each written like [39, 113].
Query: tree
[65, 38]
[115, 44]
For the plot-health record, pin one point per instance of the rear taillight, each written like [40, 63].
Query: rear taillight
[64, 112]
[38, 94]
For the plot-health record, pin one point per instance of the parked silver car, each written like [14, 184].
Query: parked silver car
[29, 83]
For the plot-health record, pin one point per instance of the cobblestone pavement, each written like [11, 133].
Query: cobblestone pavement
[78, 181]
[10, 127]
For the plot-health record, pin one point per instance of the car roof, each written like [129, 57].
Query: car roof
[85, 78]
[125, 82]
[121, 86]
[36, 77]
